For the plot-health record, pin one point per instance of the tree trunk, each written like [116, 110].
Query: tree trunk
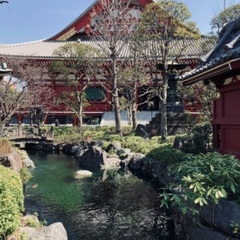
[134, 116]
[117, 113]
[116, 103]
[164, 112]
[80, 118]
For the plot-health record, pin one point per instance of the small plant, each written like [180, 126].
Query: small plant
[235, 227]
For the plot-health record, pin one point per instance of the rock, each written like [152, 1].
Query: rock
[111, 162]
[92, 159]
[222, 216]
[30, 219]
[142, 131]
[28, 163]
[123, 152]
[82, 174]
[55, 231]
[12, 160]
[113, 146]
[201, 234]
[136, 162]
[95, 159]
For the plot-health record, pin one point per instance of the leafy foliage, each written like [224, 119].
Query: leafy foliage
[225, 16]
[200, 94]
[199, 139]
[11, 200]
[76, 68]
[164, 25]
[203, 179]
[166, 154]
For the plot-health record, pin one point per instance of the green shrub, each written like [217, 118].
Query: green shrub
[199, 140]
[25, 175]
[11, 200]
[166, 154]
[203, 179]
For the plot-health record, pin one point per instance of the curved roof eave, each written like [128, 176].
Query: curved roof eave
[69, 26]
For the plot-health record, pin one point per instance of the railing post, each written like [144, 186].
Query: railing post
[20, 129]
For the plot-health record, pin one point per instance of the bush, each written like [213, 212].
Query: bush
[203, 179]
[199, 140]
[166, 154]
[11, 200]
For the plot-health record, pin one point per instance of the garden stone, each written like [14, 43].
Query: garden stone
[222, 215]
[12, 160]
[51, 232]
[28, 163]
[136, 162]
[201, 234]
[123, 152]
[82, 174]
[92, 159]
[113, 146]
[142, 131]
[111, 162]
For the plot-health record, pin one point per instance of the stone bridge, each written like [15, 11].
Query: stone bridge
[21, 135]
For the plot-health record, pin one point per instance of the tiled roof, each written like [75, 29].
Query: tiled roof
[75, 20]
[226, 49]
[45, 48]
[37, 49]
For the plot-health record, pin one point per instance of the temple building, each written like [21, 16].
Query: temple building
[222, 67]
[99, 109]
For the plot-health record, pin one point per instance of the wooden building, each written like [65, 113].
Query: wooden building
[41, 52]
[222, 66]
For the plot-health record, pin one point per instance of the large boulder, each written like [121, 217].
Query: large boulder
[136, 162]
[223, 216]
[95, 159]
[55, 231]
[12, 160]
[92, 159]
[142, 131]
[202, 234]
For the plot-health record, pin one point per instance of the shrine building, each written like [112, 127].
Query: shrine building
[222, 67]
[99, 110]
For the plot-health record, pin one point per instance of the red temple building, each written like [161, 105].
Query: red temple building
[99, 109]
[222, 66]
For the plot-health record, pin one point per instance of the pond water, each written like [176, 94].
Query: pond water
[111, 205]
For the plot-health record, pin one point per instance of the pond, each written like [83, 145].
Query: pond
[110, 205]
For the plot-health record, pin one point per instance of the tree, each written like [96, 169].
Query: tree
[163, 36]
[112, 24]
[23, 90]
[133, 76]
[202, 94]
[225, 16]
[76, 67]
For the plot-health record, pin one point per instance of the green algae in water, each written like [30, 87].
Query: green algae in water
[52, 181]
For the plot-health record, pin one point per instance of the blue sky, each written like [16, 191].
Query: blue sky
[30, 20]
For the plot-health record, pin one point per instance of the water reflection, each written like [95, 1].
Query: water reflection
[111, 205]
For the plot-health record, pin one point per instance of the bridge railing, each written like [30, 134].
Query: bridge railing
[21, 131]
